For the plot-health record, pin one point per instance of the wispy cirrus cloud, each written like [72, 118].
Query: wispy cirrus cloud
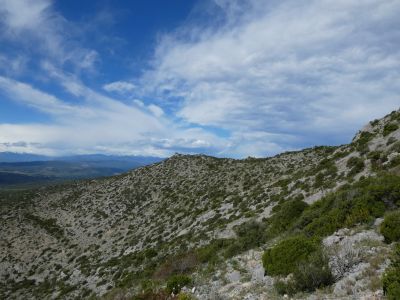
[26, 23]
[121, 87]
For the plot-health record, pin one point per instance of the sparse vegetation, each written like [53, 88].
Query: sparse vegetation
[150, 231]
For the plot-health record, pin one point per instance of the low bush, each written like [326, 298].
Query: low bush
[356, 164]
[362, 142]
[177, 282]
[288, 212]
[389, 128]
[359, 203]
[283, 287]
[249, 235]
[308, 275]
[391, 278]
[312, 273]
[390, 227]
[283, 258]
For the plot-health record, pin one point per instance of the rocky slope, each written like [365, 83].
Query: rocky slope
[110, 237]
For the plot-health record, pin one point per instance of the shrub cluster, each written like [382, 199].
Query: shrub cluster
[390, 227]
[362, 142]
[309, 274]
[391, 278]
[356, 164]
[361, 202]
[282, 259]
[249, 235]
[177, 282]
[285, 214]
[389, 128]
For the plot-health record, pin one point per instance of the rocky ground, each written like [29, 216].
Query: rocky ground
[90, 237]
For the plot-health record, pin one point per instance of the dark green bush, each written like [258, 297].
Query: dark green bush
[391, 278]
[249, 235]
[390, 227]
[312, 273]
[309, 275]
[177, 282]
[361, 202]
[283, 258]
[389, 128]
[288, 212]
[207, 253]
[283, 287]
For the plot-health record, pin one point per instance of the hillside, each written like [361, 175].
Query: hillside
[209, 220]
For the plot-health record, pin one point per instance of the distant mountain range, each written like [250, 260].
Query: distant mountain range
[27, 169]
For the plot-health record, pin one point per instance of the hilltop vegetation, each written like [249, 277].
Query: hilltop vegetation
[228, 228]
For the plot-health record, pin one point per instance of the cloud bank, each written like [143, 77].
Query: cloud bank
[242, 78]
[313, 70]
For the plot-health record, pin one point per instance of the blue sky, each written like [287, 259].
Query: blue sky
[226, 78]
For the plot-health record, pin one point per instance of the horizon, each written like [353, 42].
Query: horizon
[230, 79]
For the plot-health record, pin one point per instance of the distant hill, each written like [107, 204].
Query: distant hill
[21, 157]
[20, 169]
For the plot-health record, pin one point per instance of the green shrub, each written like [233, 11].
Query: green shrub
[177, 282]
[391, 284]
[249, 235]
[283, 287]
[312, 273]
[389, 128]
[390, 227]
[283, 257]
[207, 253]
[360, 202]
[288, 212]
[356, 164]
[308, 275]
[362, 142]
[391, 278]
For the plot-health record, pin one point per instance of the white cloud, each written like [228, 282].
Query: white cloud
[97, 123]
[155, 110]
[119, 86]
[316, 70]
[23, 14]
[36, 27]
[26, 94]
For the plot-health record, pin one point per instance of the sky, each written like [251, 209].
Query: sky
[230, 78]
